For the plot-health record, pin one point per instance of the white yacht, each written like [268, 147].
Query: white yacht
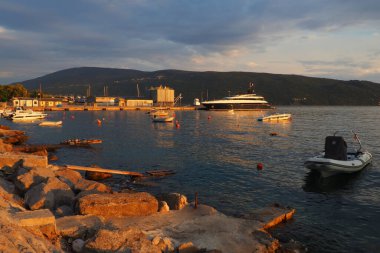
[29, 114]
[249, 101]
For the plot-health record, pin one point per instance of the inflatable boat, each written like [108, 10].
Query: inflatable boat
[338, 158]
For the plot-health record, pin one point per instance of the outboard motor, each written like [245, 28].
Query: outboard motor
[335, 148]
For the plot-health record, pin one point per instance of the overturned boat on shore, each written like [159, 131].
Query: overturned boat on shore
[338, 158]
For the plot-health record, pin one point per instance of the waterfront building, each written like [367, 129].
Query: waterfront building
[24, 102]
[102, 101]
[50, 102]
[162, 96]
[139, 102]
[36, 102]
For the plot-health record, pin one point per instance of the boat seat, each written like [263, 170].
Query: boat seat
[335, 148]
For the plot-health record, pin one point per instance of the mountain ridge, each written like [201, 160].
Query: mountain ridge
[278, 89]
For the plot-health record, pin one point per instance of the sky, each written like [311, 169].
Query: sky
[321, 38]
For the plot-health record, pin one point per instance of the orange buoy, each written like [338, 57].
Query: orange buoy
[99, 122]
[260, 166]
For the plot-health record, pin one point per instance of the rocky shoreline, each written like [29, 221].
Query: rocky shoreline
[50, 208]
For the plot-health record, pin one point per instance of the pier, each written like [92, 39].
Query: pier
[111, 108]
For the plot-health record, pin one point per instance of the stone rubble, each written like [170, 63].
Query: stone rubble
[47, 208]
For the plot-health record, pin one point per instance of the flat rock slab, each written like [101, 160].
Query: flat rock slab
[127, 240]
[118, 204]
[40, 217]
[79, 225]
[30, 160]
[205, 227]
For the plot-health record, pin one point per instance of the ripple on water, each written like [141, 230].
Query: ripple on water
[217, 158]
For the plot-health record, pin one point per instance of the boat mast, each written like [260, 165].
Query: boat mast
[250, 88]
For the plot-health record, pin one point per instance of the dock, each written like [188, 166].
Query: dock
[111, 108]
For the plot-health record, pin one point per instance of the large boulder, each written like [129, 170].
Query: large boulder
[4, 147]
[79, 226]
[96, 176]
[16, 140]
[176, 201]
[62, 211]
[49, 195]
[2, 127]
[128, 240]
[40, 222]
[32, 177]
[88, 185]
[118, 204]
[70, 177]
[14, 238]
[8, 132]
[7, 192]
[29, 160]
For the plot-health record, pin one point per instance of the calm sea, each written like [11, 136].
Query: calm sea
[216, 153]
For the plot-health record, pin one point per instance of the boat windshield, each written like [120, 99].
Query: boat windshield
[352, 139]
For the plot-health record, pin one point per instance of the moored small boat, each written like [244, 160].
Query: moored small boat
[51, 123]
[163, 119]
[336, 159]
[276, 117]
[159, 113]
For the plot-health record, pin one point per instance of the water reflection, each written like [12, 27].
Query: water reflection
[163, 134]
[314, 182]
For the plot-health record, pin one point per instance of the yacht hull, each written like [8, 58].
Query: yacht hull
[236, 106]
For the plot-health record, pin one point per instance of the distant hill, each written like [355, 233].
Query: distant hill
[277, 89]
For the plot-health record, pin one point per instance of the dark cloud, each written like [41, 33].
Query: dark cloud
[43, 36]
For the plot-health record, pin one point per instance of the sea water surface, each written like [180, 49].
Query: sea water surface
[216, 154]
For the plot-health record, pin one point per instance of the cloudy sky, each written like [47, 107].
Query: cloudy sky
[324, 38]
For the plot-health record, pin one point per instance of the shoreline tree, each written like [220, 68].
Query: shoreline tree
[7, 92]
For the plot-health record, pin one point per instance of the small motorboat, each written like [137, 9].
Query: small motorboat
[159, 113]
[338, 158]
[51, 123]
[162, 119]
[276, 117]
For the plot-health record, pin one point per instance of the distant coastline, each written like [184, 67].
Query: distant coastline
[278, 89]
